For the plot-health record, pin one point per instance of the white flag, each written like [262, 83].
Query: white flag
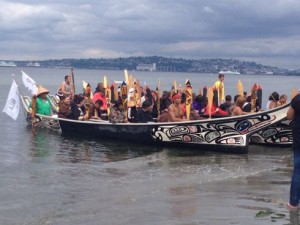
[12, 105]
[29, 83]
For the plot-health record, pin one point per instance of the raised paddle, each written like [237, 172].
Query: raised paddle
[107, 94]
[158, 97]
[126, 78]
[72, 81]
[294, 92]
[240, 88]
[175, 86]
[210, 96]
[137, 94]
[33, 110]
[188, 98]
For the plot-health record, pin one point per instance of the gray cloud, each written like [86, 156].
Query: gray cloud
[261, 30]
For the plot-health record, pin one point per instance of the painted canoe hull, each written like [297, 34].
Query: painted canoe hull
[230, 134]
[279, 135]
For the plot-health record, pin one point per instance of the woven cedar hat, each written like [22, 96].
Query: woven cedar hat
[42, 90]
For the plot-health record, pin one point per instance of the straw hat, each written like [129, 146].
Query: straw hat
[42, 90]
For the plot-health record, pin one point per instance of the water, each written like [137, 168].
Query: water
[48, 178]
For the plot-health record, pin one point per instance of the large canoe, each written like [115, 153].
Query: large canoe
[230, 134]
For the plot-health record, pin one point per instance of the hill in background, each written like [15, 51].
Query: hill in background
[157, 63]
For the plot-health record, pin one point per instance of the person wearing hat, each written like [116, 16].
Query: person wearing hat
[43, 105]
[175, 110]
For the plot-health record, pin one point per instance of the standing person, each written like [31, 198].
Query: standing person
[219, 86]
[293, 113]
[65, 87]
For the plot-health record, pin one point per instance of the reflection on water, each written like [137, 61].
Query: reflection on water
[76, 149]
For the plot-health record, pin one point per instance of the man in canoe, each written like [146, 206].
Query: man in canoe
[143, 114]
[65, 88]
[175, 110]
[219, 86]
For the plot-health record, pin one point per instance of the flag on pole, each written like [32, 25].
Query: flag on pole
[12, 105]
[29, 83]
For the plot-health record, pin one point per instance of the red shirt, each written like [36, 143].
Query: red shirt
[100, 96]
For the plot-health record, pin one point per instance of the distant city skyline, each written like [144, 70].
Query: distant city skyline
[261, 31]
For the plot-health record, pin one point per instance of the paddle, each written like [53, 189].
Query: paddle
[72, 81]
[175, 86]
[188, 98]
[294, 92]
[33, 110]
[107, 94]
[240, 88]
[137, 95]
[85, 84]
[210, 96]
[124, 97]
[126, 78]
[158, 97]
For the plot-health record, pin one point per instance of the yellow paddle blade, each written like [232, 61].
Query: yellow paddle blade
[130, 82]
[175, 86]
[126, 76]
[188, 100]
[240, 88]
[105, 82]
[210, 96]
[84, 84]
[294, 92]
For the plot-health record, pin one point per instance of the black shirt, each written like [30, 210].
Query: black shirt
[142, 116]
[295, 104]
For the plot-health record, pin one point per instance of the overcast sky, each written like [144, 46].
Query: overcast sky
[262, 31]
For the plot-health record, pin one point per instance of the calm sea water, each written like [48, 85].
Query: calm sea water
[47, 178]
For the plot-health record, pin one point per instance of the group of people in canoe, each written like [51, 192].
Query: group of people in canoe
[140, 104]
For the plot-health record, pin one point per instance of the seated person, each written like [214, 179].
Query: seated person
[43, 105]
[282, 100]
[251, 104]
[199, 103]
[237, 109]
[143, 114]
[77, 108]
[64, 107]
[215, 111]
[175, 110]
[95, 110]
[273, 101]
[101, 96]
[227, 104]
[118, 114]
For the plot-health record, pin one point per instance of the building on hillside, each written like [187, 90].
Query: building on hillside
[146, 67]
